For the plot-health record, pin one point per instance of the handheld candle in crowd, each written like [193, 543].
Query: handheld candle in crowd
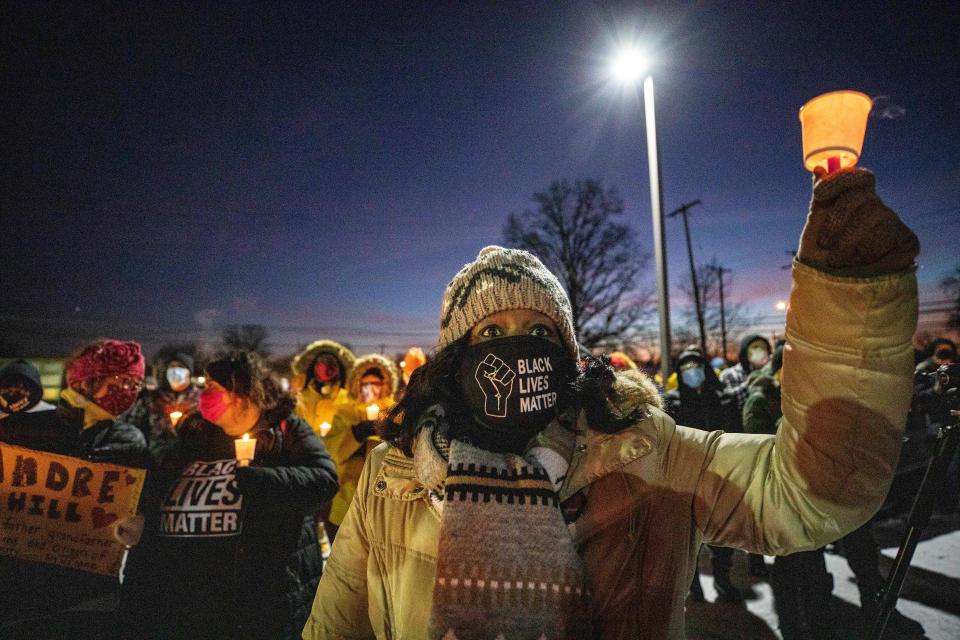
[324, 428]
[245, 447]
[833, 125]
[175, 417]
[372, 411]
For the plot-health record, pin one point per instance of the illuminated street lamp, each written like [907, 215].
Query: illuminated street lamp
[627, 67]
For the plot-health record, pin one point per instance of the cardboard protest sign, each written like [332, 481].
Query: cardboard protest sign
[204, 503]
[62, 510]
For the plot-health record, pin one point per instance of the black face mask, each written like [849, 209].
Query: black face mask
[513, 387]
[17, 397]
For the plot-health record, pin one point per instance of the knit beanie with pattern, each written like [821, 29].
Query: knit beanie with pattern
[498, 280]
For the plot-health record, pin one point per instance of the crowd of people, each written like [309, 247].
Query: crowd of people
[507, 485]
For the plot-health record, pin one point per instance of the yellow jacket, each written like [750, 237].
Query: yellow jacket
[311, 406]
[316, 410]
[347, 453]
[656, 490]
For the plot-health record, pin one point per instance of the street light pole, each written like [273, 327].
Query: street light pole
[659, 238]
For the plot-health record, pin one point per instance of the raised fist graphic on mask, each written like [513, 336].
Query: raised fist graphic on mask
[496, 382]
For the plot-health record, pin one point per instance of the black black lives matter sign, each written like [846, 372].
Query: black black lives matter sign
[204, 503]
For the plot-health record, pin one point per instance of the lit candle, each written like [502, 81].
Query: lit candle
[245, 447]
[324, 428]
[175, 417]
[372, 412]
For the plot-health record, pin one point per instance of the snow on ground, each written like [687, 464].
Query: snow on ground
[931, 596]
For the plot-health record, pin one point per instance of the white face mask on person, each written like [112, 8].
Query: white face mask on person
[178, 378]
[370, 391]
[758, 356]
[513, 388]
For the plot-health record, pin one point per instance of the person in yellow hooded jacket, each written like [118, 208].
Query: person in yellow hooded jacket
[371, 388]
[319, 376]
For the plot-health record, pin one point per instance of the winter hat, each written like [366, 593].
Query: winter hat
[692, 352]
[184, 358]
[621, 361]
[23, 379]
[498, 280]
[103, 359]
[414, 359]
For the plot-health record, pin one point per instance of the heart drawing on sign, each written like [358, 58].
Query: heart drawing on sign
[102, 518]
[130, 479]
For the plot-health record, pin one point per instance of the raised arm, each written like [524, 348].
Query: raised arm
[846, 386]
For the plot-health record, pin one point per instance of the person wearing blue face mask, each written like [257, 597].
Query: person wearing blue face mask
[696, 402]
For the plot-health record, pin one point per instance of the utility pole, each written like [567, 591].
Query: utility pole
[682, 210]
[720, 270]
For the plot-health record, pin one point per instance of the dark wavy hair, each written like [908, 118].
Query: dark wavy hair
[435, 383]
[245, 373]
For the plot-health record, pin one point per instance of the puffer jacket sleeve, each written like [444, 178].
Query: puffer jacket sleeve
[340, 607]
[308, 479]
[120, 443]
[846, 386]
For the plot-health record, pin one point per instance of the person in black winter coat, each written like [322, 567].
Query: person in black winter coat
[157, 413]
[102, 383]
[21, 391]
[233, 549]
[696, 402]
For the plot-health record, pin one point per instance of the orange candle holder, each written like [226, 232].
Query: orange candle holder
[833, 127]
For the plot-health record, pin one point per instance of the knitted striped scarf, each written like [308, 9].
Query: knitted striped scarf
[506, 565]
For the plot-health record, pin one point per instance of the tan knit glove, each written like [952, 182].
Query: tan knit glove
[850, 232]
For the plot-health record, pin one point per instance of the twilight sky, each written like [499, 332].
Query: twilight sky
[325, 169]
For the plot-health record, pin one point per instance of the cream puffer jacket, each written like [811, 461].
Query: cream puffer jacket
[656, 491]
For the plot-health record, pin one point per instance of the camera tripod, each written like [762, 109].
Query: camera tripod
[948, 436]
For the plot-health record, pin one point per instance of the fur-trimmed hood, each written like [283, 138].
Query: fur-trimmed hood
[633, 389]
[386, 367]
[302, 361]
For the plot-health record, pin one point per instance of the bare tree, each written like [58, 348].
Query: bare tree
[250, 337]
[598, 260]
[735, 313]
[951, 286]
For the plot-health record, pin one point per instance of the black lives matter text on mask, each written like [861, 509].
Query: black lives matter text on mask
[204, 502]
[534, 377]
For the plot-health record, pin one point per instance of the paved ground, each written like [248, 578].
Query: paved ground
[931, 593]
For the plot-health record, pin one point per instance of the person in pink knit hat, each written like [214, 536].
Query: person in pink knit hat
[103, 381]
